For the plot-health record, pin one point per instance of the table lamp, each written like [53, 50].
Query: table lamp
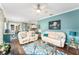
[72, 34]
[39, 31]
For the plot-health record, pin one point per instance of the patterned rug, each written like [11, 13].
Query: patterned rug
[41, 48]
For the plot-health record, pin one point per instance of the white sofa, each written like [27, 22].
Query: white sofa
[55, 38]
[26, 37]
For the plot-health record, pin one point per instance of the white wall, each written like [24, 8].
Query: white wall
[1, 27]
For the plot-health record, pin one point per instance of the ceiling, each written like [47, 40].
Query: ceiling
[25, 11]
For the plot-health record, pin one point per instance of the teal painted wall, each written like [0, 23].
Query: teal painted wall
[69, 22]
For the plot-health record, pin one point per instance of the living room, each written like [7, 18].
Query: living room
[39, 29]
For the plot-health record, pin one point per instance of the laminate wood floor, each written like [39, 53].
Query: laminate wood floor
[16, 49]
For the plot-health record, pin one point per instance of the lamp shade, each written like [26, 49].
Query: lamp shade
[72, 33]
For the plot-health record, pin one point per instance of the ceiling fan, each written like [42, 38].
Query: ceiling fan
[42, 8]
[39, 7]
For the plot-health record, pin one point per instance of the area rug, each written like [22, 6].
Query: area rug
[41, 48]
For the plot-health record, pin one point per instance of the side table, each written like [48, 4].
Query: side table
[76, 48]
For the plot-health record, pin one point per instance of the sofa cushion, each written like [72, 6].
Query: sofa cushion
[22, 35]
[33, 35]
[53, 35]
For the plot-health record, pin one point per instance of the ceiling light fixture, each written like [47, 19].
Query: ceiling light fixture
[41, 8]
[38, 8]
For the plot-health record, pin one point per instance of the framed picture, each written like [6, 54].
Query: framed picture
[55, 25]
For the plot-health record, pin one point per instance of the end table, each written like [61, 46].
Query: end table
[76, 47]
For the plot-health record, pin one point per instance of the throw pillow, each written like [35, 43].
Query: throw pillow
[46, 35]
[33, 35]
